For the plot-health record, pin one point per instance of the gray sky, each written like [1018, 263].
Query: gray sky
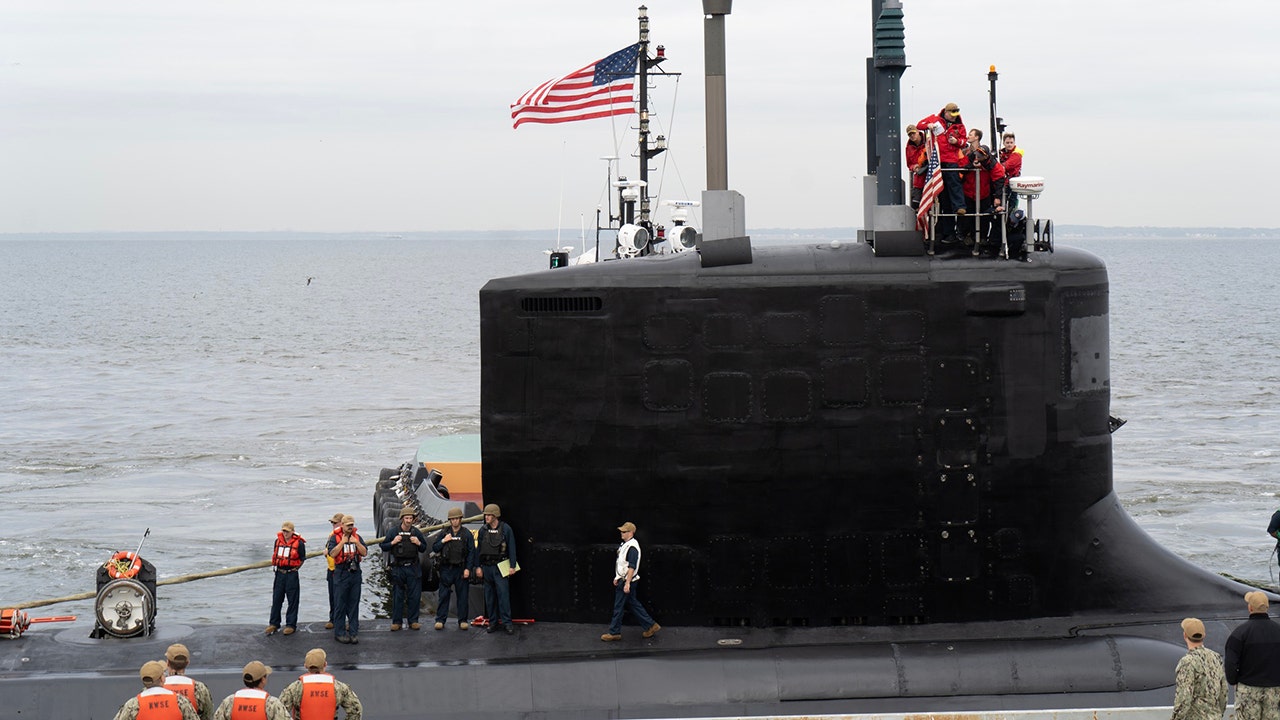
[389, 115]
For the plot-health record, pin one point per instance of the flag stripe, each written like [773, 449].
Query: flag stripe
[932, 185]
[602, 89]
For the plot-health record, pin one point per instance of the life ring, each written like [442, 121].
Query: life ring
[124, 564]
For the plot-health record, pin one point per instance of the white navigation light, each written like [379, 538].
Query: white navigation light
[686, 238]
[1029, 186]
[632, 239]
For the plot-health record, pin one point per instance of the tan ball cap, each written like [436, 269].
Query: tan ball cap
[316, 659]
[255, 671]
[151, 672]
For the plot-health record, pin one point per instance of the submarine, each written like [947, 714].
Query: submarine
[867, 479]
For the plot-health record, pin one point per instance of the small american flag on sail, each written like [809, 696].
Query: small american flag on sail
[601, 89]
[932, 185]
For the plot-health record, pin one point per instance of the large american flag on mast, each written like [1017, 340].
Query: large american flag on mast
[602, 89]
[932, 184]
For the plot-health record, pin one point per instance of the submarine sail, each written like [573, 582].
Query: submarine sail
[831, 434]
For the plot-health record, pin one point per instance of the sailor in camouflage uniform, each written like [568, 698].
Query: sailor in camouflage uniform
[1201, 684]
[1252, 662]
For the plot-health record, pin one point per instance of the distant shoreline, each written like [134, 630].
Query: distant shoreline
[1061, 232]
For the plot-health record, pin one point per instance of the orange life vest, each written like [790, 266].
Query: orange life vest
[319, 697]
[158, 703]
[185, 687]
[249, 704]
[347, 550]
[286, 555]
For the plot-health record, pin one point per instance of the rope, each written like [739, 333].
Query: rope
[219, 573]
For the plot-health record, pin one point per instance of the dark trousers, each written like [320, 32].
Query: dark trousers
[622, 602]
[451, 583]
[346, 593]
[406, 592]
[952, 195]
[285, 588]
[328, 578]
[497, 595]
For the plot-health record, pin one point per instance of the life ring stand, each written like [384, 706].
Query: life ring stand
[124, 564]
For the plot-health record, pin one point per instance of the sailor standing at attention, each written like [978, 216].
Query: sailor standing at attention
[456, 548]
[286, 557]
[336, 522]
[347, 549]
[626, 572]
[1201, 685]
[317, 695]
[252, 702]
[197, 693]
[405, 545]
[1252, 662]
[156, 702]
[496, 543]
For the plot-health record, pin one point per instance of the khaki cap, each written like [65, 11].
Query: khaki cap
[316, 659]
[337, 518]
[348, 520]
[951, 107]
[286, 525]
[177, 651]
[255, 671]
[1193, 629]
[151, 672]
[627, 527]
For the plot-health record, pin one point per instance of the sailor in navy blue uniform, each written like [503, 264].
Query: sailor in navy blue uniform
[496, 543]
[626, 573]
[405, 546]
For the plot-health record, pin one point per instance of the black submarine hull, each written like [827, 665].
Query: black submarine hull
[819, 437]
[562, 670]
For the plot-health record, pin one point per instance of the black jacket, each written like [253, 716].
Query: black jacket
[1252, 654]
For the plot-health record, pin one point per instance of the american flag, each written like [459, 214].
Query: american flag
[601, 89]
[932, 185]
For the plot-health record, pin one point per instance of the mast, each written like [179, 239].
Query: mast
[996, 123]
[648, 150]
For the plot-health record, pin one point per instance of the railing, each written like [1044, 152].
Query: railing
[1036, 238]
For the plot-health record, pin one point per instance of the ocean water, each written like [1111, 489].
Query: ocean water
[199, 386]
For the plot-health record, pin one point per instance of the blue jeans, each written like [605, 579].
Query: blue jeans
[452, 582]
[628, 601]
[497, 595]
[346, 592]
[406, 590]
[285, 587]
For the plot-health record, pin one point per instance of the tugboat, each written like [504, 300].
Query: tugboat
[868, 479]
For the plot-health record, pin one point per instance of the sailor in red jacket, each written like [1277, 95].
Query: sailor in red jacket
[948, 128]
[917, 160]
[1011, 158]
[984, 186]
[287, 555]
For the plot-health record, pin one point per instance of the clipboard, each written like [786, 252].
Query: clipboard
[507, 569]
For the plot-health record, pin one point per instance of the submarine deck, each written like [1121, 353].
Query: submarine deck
[565, 670]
